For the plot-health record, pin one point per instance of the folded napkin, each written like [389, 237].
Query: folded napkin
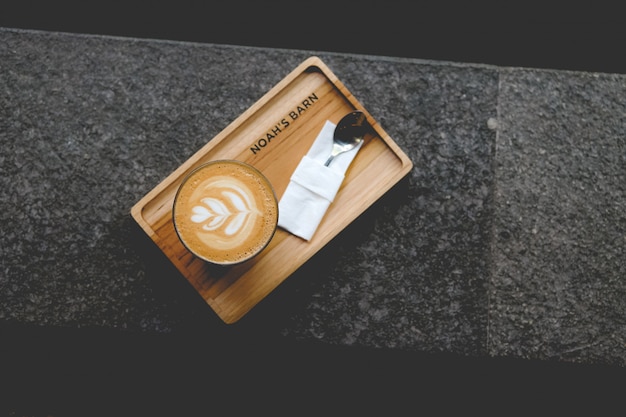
[313, 186]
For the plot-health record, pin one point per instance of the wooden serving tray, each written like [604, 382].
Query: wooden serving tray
[273, 135]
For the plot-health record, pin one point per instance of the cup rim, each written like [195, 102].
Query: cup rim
[229, 161]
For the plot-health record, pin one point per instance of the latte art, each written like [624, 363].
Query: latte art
[225, 212]
[231, 211]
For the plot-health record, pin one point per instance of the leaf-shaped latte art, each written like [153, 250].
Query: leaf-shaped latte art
[237, 201]
[214, 213]
[200, 214]
[236, 223]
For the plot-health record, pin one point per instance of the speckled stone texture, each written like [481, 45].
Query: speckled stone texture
[558, 288]
[412, 273]
[505, 240]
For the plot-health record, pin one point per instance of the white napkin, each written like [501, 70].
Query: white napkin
[313, 186]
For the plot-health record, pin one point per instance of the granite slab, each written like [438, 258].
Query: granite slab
[558, 288]
[505, 240]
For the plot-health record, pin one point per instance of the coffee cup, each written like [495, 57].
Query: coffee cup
[225, 212]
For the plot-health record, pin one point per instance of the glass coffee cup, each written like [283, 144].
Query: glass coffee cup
[225, 212]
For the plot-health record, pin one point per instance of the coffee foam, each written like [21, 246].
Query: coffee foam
[225, 212]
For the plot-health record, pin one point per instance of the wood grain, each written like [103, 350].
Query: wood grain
[273, 135]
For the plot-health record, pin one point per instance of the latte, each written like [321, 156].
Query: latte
[225, 212]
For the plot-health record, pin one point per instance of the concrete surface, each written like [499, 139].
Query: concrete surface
[506, 241]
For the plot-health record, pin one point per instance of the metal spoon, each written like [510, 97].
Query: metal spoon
[349, 132]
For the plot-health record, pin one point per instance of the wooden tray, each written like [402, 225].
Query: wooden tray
[273, 135]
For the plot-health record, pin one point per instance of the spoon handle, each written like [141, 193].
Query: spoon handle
[330, 158]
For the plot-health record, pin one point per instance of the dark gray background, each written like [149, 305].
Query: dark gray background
[98, 366]
[542, 35]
